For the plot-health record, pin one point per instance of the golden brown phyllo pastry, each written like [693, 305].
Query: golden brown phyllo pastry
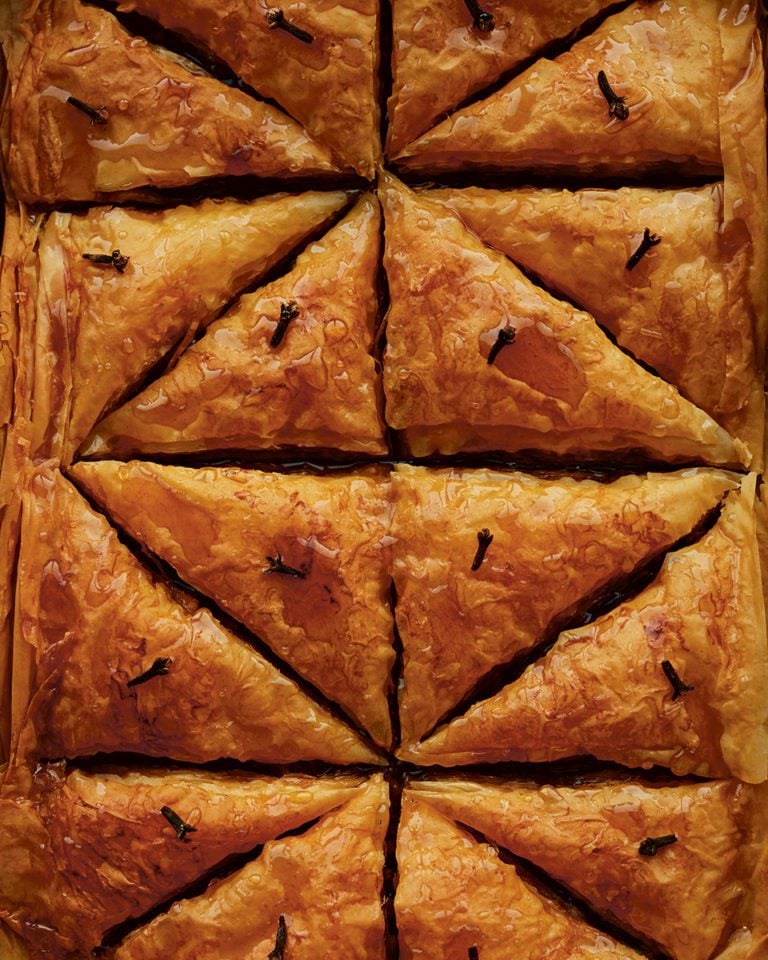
[674, 675]
[67, 880]
[290, 366]
[94, 111]
[681, 306]
[319, 61]
[382, 427]
[479, 358]
[182, 267]
[440, 57]
[627, 96]
[302, 561]
[111, 661]
[446, 871]
[629, 849]
[488, 564]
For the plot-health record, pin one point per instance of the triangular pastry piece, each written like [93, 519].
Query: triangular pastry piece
[111, 662]
[455, 894]
[316, 896]
[183, 265]
[479, 358]
[95, 111]
[624, 99]
[682, 307]
[290, 366]
[677, 675]
[485, 562]
[326, 78]
[301, 560]
[679, 895]
[86, 851]
[441, 55]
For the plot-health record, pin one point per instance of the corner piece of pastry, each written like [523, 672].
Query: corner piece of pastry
[315, 896]
[625, 98]
[455, 896]
[93, 111]
[290, 365]
[301, 560]
[317, 60]
[486, 562]
[100, 327]
[664, 271]
[480, 359]
[661, 860]
[106, 660]
[676, 675]
[443, 53]
[83, 852]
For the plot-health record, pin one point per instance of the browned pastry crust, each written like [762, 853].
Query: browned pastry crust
[685, 308]
[557, 545]
[95, 622]
[454, 893]
[12, 947]
[97, 331]
[674, 673]
[607, 689]
[440, 58]
[562, 386]
[329, 85]
[555, 115]
[325, 883]
[83, 851]
[13, 251]
[251, 384]
[168, 124]
[684, 899]
[218, 527]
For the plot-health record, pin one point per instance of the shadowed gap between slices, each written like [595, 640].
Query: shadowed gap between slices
[175, 351]
[663, 177]
[623, 587]
[552, 889]
[396, 781]
[380, 340]
[10, 614]
[397, 670]
[549, 51]
[337, 462]
[101, 763]
[221, 871]
[286, 459]
[536, 463]
[570, 772]
[386, 76]
[180, 590]
[606, 471]
[226, 187]
[247, 459]
[139, 25]
[540, 463]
